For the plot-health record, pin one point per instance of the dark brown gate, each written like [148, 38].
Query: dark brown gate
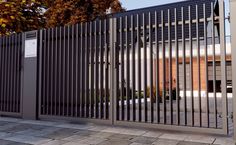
[162, 59]
[10, 75]
[74, 80]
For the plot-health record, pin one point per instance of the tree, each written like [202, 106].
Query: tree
[25, 15]
[64, 12]
[21, 15]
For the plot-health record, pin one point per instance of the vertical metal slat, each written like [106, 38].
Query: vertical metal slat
[101, 115]
[191, 66]
[51, 70]
[206, 64]
[170, 66]
[139, 70]
[151, 69]
[177, 70]
[214, 65]
[122, 69]
[127, 70]
[145, 69]
[133, 70]
[199, 67]
[157, 68]
[184, 66]
[163, 67]
[96, 72]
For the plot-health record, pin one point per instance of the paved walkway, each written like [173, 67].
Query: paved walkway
[24, 132]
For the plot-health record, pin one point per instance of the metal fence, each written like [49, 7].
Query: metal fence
[161, 67]
[10, 67]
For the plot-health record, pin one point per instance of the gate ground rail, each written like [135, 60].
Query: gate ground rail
[158, 67]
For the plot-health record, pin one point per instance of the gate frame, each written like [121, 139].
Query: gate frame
[223, 67]
[233, 53]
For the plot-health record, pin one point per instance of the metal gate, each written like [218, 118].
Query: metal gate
[162, 57]
[148, 68]
[10, 75]
[74, 71]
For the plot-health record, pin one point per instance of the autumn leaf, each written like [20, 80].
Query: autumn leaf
[3, 25]
[26, 15]
[74, 11]
[12, 17]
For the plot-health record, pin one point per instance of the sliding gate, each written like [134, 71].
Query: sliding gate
[167, 60]
[163, 67]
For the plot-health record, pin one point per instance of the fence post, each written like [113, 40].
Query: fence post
[233, 51]
[29, 75]
[113, 69]
[223, 66]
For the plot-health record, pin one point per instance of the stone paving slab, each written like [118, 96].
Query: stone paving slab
[27, 132]
[165, 142]
[144, 140]
[28, 139]
[200, 139]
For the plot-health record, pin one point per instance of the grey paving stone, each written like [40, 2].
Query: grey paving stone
[8, 126]
[75, 138]
[135, 143]
[144, 140]
[102, 134]
[133, 132]
[28, 139]
[30, 132]
[74, 126]
[121, 137]
[114, 130]
[4, 135]
[55, 142]
[44, 132]
[224, 141]
[152, 134]
[39, 122]
[85, 132]
[75, 143]
[62, 133]
[115, 142]
[121, 130]
[9, 119]
[165, 142]
[18, 143]
[92, 140]
[172, 136]
[200, 138]
[37, 127]
[191, 143]
[98, 128]
[5, 142]
[18, 128]
[2, 123]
